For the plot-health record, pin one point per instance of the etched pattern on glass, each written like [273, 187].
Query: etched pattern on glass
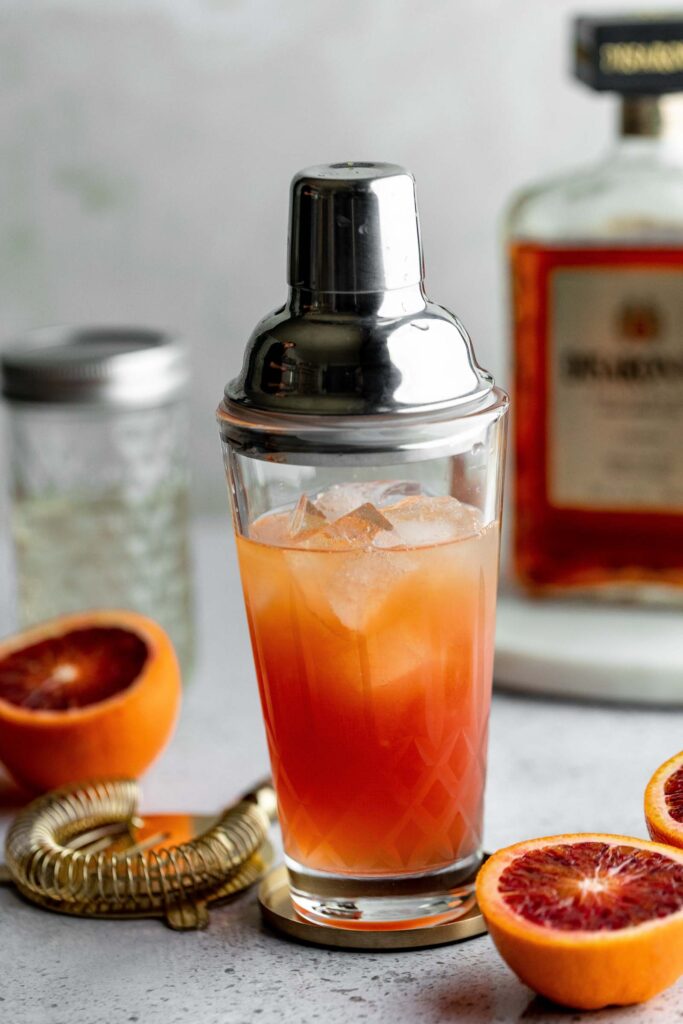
[100, 515]
[373, 638]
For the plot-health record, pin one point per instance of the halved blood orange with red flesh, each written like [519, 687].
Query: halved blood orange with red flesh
[86, 695]
[664, 802]
[80, 667]
[587, 920]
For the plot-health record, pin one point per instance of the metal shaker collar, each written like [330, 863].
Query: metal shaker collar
[354, 228]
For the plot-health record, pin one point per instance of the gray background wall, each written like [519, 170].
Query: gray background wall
[146, 148]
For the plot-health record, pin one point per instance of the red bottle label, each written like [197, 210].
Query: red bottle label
[599, 392]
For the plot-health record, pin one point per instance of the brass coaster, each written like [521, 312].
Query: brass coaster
[278, 911]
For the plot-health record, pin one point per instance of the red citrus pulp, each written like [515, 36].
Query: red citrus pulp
[587, 920]
[86, 695]
[664, 802]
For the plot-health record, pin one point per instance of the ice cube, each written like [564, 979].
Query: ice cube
[351, 587]
[356, 529]
[305, 518]
[357, 593]
[421, 521]
[340, 499]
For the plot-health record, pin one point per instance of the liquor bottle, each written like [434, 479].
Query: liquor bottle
[596, 262]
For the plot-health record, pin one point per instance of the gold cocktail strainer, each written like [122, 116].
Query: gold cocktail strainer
[84, 850]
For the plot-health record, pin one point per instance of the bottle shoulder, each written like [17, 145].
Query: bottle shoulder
[615, 199]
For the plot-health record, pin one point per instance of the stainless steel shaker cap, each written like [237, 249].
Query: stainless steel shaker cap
[123, 367]
[354, 228]
[357, 343]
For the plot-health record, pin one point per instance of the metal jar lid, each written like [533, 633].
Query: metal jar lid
[358, 356]
[118, 367]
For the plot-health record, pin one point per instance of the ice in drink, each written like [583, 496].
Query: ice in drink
[371, 613]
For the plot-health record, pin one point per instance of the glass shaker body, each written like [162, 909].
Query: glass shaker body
[100, 510]
[370, 592]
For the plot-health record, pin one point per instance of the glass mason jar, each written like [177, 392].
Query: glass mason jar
[364, 450]
[97, 428]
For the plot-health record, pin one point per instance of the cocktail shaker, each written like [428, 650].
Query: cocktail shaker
[364, 450]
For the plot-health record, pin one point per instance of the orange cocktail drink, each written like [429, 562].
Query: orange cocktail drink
[372, 626]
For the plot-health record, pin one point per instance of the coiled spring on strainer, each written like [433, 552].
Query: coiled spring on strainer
[59, 854]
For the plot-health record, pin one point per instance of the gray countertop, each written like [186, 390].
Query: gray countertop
[554, 767]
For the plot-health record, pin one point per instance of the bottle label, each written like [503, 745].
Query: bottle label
[615, 385]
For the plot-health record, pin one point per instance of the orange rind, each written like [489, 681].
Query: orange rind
[587, 920]
[86, 696]
[664, 802]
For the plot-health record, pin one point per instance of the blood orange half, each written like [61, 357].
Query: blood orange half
[587, 920]
[86, 696]
[664, 802]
